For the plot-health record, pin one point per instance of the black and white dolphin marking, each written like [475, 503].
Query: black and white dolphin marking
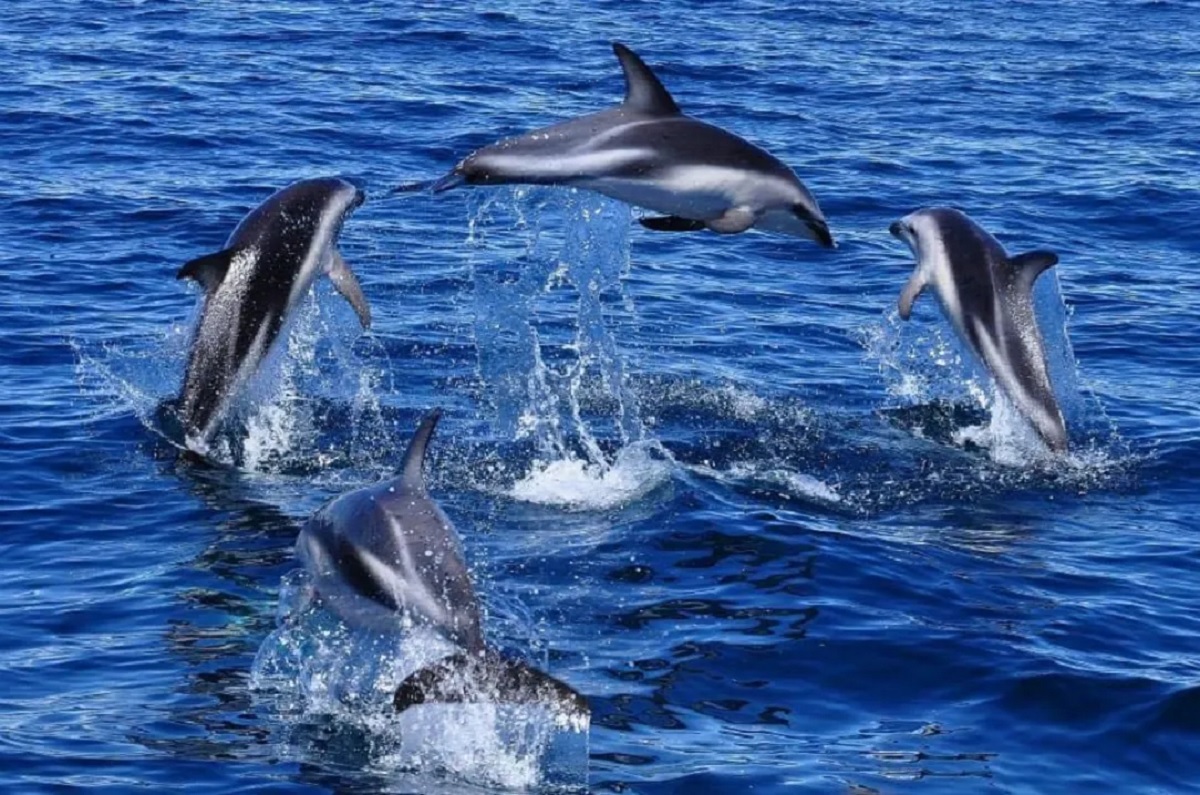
[988, 298]
[252, 285]
[648, 153]
[382, 553]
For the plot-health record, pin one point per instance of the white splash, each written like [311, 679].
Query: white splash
[1007, 436]
[578, 485]
[274, 423]
[792, 483]
[741, 402]
[799, 484]
[545, 309]
[1011, 441]
[313, 666]
[920, 361]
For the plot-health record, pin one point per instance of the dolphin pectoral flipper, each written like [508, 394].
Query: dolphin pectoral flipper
[1025, 268]
[912, 288]
[208, 271]
[346, 283]
[486, 677]
[733, 221]
[671, 223]
[643, 90]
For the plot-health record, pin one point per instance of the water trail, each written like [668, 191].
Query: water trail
[779, 479]
[314, 402]
[597, 258]
[1053, 316]
[730, 433]
[923, 361]
[545, 310]
[312, 666]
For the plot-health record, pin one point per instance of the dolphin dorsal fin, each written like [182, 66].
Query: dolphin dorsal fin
[643, 91]
[208, 271]
[412, 475]
[1025, 268]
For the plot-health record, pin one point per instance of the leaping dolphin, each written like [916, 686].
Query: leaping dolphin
[252, 285]
[988, 298]
[648, 153]
[385, 552]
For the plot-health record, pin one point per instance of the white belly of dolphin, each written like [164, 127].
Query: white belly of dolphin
[650, 194]
[700, 192]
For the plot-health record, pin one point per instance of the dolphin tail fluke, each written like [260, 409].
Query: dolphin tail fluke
[490, 678]
[643, 90]
[412, 475]
[346, 283]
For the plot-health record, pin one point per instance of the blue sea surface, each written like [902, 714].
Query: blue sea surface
[782, 540]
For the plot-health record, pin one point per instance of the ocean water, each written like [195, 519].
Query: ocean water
[782, 540]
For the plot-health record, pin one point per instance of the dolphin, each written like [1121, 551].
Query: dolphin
[988, 297]
[647, 152]
[252, 285]
[387, 552]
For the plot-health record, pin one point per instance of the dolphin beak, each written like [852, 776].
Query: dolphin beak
[903, 232]
[451, 180]
[360, 192]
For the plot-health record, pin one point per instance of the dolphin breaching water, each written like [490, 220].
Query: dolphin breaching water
[988, 298]
[251, 286]
[648, 153]
[382, 554]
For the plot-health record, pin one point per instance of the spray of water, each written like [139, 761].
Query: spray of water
[545, 309]
[278, 423]
[313, 667]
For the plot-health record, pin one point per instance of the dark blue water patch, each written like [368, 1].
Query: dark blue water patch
[1176, 715]
[499, 17]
